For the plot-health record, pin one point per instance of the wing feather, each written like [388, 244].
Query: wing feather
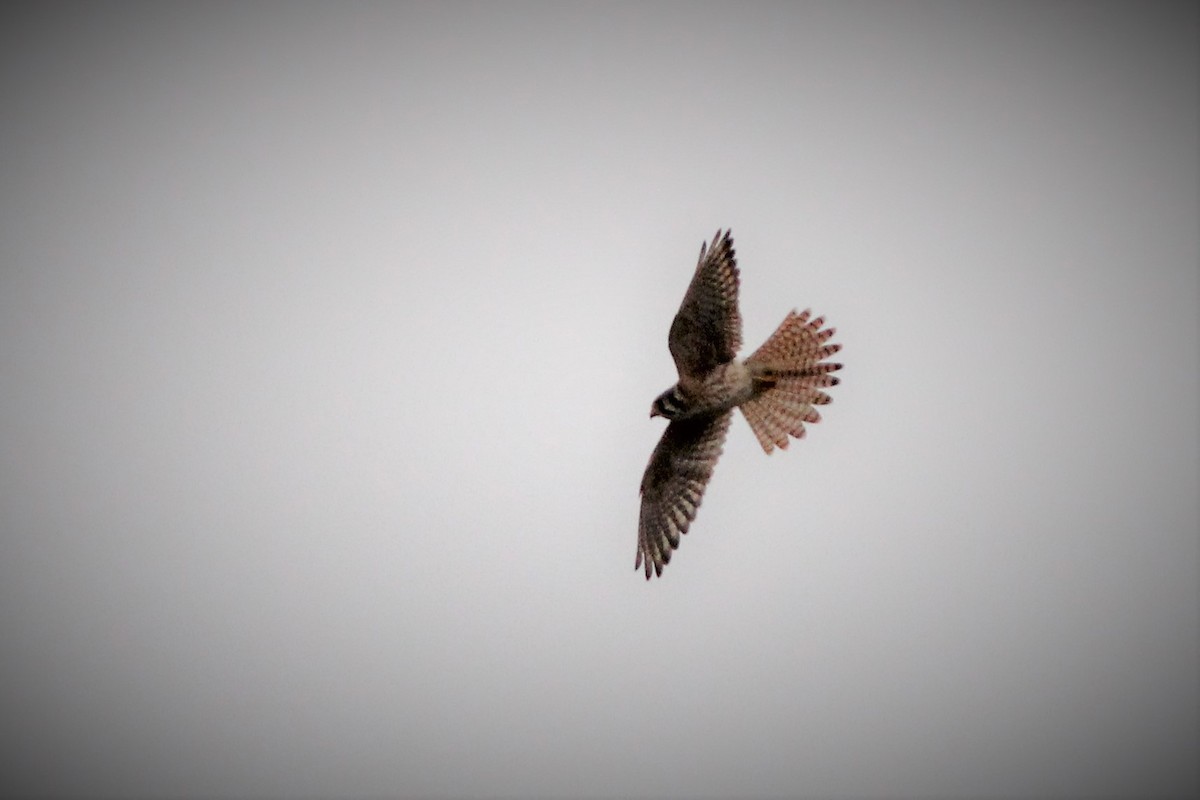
[674, 484]
[707, 329]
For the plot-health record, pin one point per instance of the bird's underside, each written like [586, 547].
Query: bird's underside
[777, 389]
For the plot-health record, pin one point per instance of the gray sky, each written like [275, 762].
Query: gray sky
[328, 334]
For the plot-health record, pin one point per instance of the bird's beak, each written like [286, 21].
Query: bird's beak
[654, 411]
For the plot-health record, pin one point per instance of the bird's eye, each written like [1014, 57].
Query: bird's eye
[667, 405]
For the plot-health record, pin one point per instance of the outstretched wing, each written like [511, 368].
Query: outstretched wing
[707, 330]
[674, 483]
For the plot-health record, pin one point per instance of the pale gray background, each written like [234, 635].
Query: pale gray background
[328, 334]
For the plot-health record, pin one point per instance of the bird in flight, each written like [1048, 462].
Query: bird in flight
[777, 388]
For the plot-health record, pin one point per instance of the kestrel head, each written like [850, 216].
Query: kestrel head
[669, 404]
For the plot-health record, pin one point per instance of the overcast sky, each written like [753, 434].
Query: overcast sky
[328, 335]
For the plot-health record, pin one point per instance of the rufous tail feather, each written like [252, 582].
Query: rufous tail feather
[789, 373]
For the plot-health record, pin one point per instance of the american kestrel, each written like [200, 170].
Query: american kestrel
[776, 388]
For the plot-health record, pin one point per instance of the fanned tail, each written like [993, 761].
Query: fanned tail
[789, 373]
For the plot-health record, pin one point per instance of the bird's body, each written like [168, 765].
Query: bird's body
[725, 387]
[776, 388]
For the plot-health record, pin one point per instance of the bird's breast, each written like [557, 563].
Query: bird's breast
[725, 387]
